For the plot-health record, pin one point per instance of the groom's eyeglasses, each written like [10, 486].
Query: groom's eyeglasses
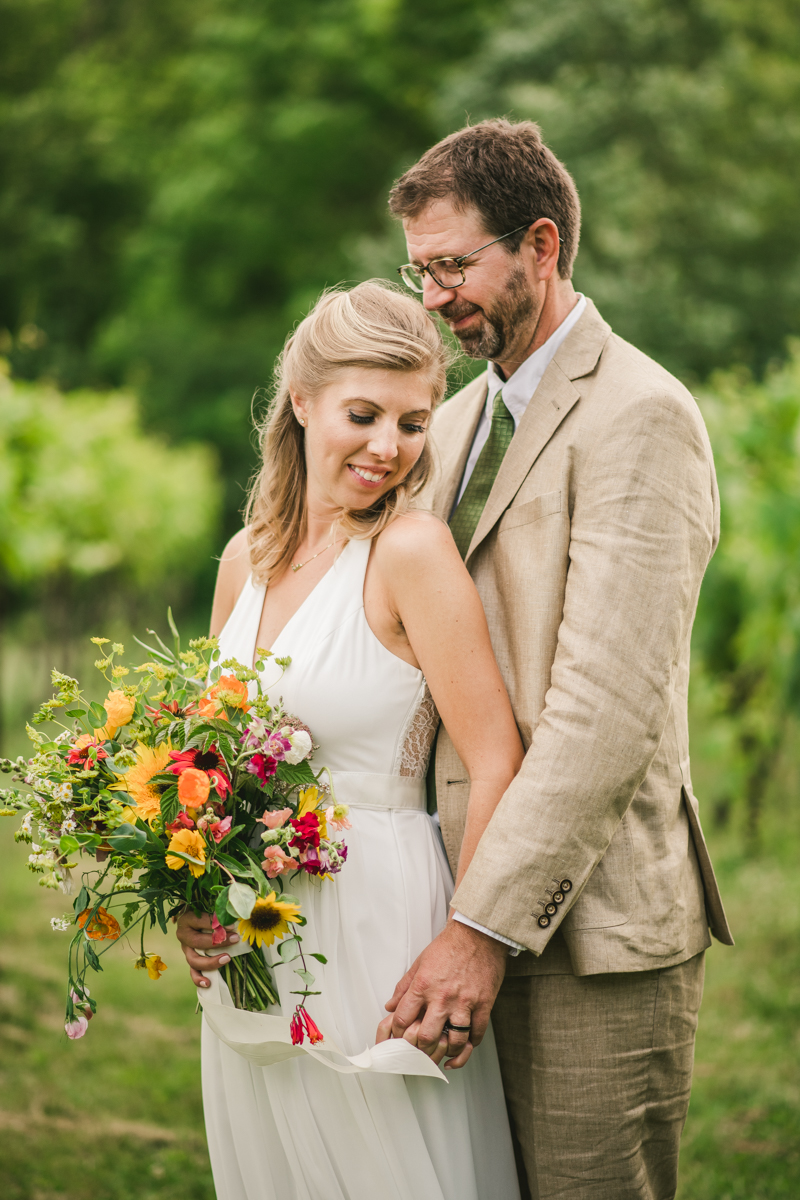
[447, 272]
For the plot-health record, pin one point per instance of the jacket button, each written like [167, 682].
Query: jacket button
[558, 897]
[550, 909]
[566, 885]
[543, 921]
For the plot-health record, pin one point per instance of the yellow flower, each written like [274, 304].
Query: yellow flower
[187, 841]
[119, 708]
[153, 964]
[149, 761]
[269, 920]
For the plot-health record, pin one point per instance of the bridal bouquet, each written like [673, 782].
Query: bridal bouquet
[185, 794]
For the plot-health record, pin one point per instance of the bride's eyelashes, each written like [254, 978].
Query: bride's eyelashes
[369, 418]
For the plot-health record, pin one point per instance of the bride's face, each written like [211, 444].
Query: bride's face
[364, 433]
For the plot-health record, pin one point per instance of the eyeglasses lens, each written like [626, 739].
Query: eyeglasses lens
[411, 278]
[446, 272]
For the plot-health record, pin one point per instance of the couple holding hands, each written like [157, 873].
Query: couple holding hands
[488, 604]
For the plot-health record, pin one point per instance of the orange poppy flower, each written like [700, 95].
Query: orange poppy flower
[102, 925]
[193, 787]
[228, 691]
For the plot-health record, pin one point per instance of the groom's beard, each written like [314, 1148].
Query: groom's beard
[498, 328]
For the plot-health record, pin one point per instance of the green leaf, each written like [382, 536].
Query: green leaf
[319, 957]
[306, 976]
[241, 900]
[81, 901]
[95, 719]
[170, 804]
[296, 774]
[127, 838]
[224, 915]
[174, 630]
[288, 947]
[68, 844]
[75, 712]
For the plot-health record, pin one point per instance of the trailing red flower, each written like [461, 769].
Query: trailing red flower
[210, 761]
[303, 1024]
[306, 831]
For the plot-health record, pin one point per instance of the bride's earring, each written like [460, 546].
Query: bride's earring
[302, 421]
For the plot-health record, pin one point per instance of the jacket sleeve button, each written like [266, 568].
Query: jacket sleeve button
[566, 885]
[543, 921]
[558, 897]
[550, 909]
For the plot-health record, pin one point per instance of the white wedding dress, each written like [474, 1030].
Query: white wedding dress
[298, 1130]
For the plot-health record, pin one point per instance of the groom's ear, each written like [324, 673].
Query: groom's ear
[541, 245]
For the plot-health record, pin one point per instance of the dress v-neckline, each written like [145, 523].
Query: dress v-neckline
[299, 608]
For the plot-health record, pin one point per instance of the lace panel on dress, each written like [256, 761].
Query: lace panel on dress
[420, 732]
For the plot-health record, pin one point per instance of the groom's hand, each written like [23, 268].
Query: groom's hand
[455, 979]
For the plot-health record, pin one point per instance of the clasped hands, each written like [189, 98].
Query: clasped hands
[454, 980]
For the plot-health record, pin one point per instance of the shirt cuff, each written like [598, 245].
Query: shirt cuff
[498, 937]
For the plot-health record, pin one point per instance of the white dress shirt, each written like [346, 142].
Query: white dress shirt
[518, 390]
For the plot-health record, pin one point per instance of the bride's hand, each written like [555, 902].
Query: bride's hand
[194, 932]
[411, 1035]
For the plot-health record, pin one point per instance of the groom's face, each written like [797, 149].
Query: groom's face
[495, 311]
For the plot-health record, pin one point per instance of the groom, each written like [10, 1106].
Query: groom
[579, 484]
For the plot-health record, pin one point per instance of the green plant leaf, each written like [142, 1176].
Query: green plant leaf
[306, 976]
[81, 901]
[241, 900]
[127, 838]
[170, 804]
[296, 774]
[319, 957]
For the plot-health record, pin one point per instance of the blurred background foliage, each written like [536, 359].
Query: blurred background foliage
[179, 180]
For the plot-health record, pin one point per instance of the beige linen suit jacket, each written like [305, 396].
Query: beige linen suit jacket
[588, 558]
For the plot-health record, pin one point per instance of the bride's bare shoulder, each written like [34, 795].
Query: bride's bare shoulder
[413, 542]
[233, 573]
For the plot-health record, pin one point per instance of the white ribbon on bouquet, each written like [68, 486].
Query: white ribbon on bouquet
[264, 1039]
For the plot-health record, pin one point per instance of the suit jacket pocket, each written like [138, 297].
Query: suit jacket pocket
[610, 894]
[545, 505]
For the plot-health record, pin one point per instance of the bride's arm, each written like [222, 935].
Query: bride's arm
[234, 568]
[431, 597]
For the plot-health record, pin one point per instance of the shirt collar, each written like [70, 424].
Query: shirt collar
[519, 387]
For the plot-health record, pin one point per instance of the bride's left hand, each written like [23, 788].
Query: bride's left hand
[411, 1035]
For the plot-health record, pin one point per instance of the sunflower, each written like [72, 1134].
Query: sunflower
[150, 760]
[269, 920]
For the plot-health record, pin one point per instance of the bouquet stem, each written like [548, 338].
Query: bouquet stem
[250, 983]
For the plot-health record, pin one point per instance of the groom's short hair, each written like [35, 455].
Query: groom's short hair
[503, 170]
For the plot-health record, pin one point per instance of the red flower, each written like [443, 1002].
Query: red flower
[83, 748]
[306, 831]
[210, 761]
[262, 766]
[303, 1024]
[169, 711]
[180, 822]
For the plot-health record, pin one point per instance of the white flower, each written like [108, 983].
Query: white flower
[68, 825]
[25, 827]
[301, 745]
[60, 924]
[63, 792]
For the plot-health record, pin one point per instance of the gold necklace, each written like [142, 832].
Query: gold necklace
[297, 566]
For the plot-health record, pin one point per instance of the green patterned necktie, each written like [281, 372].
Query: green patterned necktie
[465, 519]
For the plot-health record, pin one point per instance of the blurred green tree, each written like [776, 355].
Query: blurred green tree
[746, 686]
[681, 125]
[180, 180]
[89, 502]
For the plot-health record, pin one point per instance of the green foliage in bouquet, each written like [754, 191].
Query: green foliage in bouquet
[189, 796]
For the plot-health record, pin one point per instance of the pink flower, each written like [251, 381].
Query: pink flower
[76, 1028]
[180, 822]
[336, 816]
[219, 932]
[276, 862]
[220, 828]
[274, 820]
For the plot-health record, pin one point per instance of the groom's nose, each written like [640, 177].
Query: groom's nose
[434, 296]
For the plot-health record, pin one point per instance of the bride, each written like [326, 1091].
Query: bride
[370, 599]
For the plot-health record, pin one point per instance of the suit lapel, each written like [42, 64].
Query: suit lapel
[555, 396]
[453, 451]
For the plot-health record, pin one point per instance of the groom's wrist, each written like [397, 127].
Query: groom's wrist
[514, 948]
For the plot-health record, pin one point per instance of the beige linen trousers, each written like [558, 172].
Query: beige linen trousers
[588, 558]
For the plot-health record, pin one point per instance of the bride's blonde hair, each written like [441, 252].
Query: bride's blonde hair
[371, 325]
